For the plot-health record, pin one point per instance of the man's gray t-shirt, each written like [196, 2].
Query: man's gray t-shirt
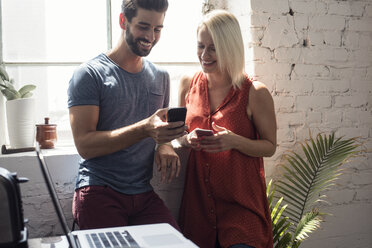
[123, 98]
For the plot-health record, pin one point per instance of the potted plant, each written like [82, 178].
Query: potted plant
[294, 198]
[20, 111]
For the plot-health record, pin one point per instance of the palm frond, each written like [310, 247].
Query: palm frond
[280, 224]
[309, 223]
[306, 176]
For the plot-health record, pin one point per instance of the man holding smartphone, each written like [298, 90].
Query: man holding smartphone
[118, 103]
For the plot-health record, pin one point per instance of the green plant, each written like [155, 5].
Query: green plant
[294, 213]
[8, 89]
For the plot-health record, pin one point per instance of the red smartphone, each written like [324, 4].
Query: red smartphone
[203, 132]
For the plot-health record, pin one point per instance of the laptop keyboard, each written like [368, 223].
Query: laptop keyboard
[111, 239]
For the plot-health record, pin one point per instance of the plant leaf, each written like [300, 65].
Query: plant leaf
[309, 223]
[10, 94]
[27, 95]
[303, 182]
[26, 89]
[284, 241]
[7, 85]
[3, 74]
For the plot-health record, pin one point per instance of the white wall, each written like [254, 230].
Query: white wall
[316, 58]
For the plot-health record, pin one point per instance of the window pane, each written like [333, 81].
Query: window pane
[176, 71]
[178, 37]
[51, 30]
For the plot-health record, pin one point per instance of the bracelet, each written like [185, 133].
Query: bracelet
[167, 144]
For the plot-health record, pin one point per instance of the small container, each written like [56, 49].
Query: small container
[46, 134]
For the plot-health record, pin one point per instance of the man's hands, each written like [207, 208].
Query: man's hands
[168, 162]
[162, 131]
[166, 159]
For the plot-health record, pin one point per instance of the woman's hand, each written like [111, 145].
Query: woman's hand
[223, 140]
[191, 140]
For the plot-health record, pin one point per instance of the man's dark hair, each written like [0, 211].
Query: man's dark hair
[129, 7]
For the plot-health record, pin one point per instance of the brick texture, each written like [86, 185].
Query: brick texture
[317, 58]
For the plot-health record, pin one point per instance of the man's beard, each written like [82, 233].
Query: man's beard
[134, 44]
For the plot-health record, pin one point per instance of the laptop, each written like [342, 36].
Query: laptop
[152, 235]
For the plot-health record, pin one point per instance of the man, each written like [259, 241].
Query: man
[117, 103]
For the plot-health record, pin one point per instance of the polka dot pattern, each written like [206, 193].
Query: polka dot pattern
[225, 192]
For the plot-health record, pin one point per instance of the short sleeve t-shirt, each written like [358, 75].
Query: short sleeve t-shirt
[123, 98]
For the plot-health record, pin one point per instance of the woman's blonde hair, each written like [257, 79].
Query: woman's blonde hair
[225, 31]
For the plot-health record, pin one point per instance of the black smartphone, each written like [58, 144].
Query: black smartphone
[176, 114]
[203, 132]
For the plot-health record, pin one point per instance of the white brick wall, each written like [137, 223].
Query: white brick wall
[316, 58]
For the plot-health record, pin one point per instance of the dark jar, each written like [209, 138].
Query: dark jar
[46, 134]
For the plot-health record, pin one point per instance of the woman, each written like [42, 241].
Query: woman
[224, 202]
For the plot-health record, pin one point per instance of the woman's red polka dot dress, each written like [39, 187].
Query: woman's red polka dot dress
[225, 192]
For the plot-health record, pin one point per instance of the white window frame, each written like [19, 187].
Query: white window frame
[67, 141]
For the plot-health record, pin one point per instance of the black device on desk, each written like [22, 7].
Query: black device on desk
[13, 232]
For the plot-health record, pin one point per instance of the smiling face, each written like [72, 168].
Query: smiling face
[144, 30]
[206, 51]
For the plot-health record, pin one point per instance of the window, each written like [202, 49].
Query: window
[44, 40]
